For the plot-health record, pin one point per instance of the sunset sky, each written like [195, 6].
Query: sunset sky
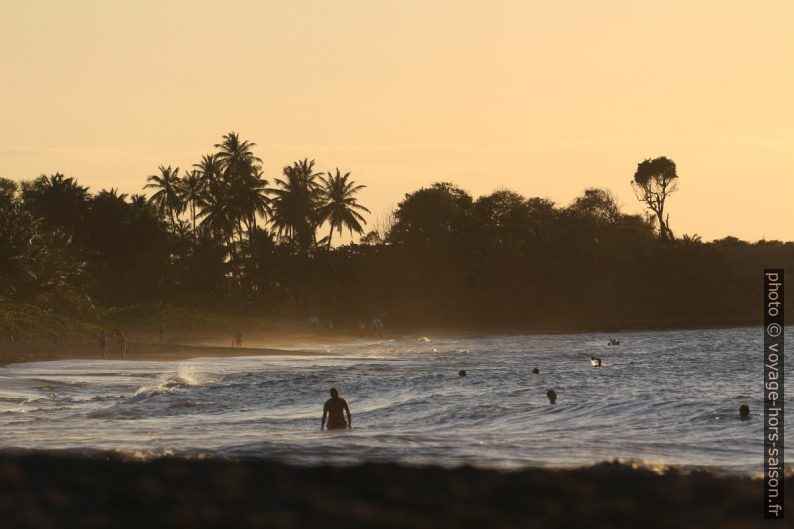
[543, 97]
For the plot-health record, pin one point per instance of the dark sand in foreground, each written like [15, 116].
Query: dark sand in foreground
[56, 490]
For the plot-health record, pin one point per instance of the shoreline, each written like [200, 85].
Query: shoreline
[44, 489]
[188, 345]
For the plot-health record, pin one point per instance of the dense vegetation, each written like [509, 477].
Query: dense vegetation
[221, 236]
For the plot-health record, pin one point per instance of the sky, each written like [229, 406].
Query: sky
[544, 97]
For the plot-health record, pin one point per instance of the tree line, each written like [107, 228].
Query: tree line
[220, 235]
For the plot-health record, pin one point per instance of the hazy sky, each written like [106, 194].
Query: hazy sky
[543, 97]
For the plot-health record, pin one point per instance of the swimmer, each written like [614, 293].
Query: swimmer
[333, 411]
[462, 373]
[744, 412]
[552, 395]
[536, 371]
[595, 361]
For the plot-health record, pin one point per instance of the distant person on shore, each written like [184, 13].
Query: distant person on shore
[238, 339]
[333, 412]
[744, 412]
[160, 333]
[121, 342]
[103, 341]
[552, 395]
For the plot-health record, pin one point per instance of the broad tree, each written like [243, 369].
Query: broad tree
[654, 181]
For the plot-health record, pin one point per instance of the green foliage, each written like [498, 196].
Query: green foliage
[219, 239]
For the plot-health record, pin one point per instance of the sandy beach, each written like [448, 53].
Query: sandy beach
[145, 347]
[104, 490]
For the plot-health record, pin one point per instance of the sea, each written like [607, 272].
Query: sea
[659, 399]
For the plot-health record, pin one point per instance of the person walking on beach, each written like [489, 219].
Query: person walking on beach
[238, 339]
[103, 340]
[333, 412]
[121, 341]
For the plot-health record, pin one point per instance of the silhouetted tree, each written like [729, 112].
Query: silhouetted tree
[655, 180]
[168, 197]
[58, 200]
[296, 202]
[340, 208]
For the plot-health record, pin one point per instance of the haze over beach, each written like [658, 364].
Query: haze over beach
[412, 264]
[545, 98]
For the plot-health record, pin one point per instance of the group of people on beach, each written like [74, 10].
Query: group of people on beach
[121, 343]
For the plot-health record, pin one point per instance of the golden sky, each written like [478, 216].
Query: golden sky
[546, 97]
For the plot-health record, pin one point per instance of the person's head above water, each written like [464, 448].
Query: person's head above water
[462, 373]
[535, 371]
[552, 395]
[744, 411]
[334, 393]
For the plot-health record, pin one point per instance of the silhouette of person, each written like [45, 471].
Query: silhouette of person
[238, 339]
[103, 340]
[121, 340]
[744, 412]
[333, 412]
[552, 395]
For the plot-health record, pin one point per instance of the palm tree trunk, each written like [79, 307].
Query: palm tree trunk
[330, 234]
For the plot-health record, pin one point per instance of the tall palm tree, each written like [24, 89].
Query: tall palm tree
[210, 169]
[191, 192]
[167, 199]
[340, 206]
[235, 155]
[248, 197]
[295, 203]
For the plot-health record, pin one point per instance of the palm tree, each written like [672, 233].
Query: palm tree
[210, 169]
[248, 197]
[236, 156]
[340, 207]
[296, 202]
[191, 192]
[60, 201]
[168, 196]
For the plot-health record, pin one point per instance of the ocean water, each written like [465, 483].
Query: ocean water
[662, 397]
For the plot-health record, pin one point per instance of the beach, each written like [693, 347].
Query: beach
[201, 434]
[104, 490]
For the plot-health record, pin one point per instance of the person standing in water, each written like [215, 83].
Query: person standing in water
[333, 411]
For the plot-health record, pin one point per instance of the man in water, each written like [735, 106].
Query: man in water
[744, 412]
[333, 411]
[552, 395]
[595, 361]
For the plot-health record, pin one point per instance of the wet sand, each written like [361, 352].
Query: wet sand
[184, 348]
[41, 490]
